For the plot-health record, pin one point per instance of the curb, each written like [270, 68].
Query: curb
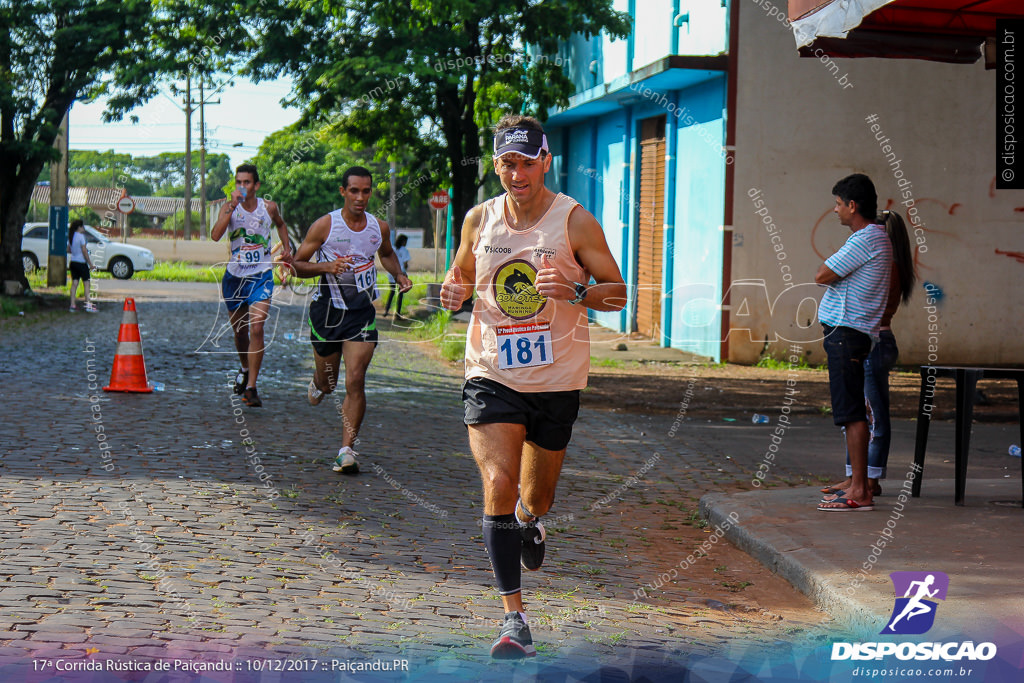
[803, 567]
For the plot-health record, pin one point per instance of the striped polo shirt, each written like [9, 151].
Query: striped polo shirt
[857, 299]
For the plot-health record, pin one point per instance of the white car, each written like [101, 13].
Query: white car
[122, 260]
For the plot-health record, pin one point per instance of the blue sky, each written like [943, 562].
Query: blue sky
[248, 112]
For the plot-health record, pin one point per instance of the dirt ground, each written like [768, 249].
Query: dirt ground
[739, 391]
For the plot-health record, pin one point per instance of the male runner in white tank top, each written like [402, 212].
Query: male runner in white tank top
[530, 254]
[342, 318]
[248, 283]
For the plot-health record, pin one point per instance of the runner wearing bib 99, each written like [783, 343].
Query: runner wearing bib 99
[342, 319]
[530, 254]
[248, 283]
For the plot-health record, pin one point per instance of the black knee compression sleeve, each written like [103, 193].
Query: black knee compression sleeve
[504, 546]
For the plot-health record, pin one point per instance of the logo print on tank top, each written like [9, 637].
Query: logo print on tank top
[514, 290]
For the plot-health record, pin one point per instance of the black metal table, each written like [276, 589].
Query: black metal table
[966, 382]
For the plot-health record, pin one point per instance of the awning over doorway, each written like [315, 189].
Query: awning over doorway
[938, 30]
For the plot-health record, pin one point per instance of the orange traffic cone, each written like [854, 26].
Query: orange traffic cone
[129, 371]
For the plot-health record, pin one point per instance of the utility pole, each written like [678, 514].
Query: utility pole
[188, 156]
[203, 226]
[57, 259]
[392, 209]
[204, 232]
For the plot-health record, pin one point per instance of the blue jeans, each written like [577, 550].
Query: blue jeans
[876, 391]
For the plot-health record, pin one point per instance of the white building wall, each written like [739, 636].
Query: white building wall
[653, 29]
[802, 124]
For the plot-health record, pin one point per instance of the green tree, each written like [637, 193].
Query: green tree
[301, 170]
[165, 173]
[53, 52]
[175, 223]
[88, 168]
[424, 80]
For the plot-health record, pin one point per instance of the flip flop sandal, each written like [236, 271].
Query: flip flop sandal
[845, 505]
[830, 490]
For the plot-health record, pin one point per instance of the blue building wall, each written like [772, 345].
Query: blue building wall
[696, 278]
[595, 142]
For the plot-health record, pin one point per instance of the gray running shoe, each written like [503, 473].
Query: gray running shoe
[514, 641]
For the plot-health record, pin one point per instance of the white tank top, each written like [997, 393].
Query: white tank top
[357, 287]
[250, 241]
[516, 336]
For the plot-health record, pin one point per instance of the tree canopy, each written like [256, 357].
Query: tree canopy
[424, 80]
[53, 52]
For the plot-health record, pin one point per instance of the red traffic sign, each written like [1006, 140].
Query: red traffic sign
[125, 204]
[439, 200]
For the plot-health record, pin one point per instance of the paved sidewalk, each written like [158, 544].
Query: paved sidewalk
[196, 544]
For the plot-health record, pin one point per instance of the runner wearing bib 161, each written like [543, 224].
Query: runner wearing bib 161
[342, 319]
[248, 283]
[530, 254]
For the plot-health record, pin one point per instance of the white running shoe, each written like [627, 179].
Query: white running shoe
[346, 461]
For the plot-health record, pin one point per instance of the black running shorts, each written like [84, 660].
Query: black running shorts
[79, 270]
[330, 327]
[547, 415]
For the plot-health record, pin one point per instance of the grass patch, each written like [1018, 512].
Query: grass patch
[173, 271]
[435, 329]
[770, 363]
[16, 307]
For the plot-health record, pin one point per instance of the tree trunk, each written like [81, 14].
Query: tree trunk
[15, 195]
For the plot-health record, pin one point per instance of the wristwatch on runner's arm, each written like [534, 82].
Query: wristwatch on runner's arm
[581, 293]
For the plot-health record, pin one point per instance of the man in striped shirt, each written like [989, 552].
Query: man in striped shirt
[857, 277]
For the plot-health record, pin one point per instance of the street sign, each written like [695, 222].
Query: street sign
[125, 204]
[439, 200]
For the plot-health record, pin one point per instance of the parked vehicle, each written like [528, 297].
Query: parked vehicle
[122, 260]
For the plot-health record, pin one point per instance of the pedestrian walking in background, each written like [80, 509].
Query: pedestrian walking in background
[403, 260]
[80, 265]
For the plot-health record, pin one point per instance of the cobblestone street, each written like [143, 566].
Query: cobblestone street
[175, 542]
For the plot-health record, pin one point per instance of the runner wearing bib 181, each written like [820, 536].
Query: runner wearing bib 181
[531, 255]
[248, 283]
[342, 319]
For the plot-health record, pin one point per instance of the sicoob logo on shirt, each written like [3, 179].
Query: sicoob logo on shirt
[514, 290]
